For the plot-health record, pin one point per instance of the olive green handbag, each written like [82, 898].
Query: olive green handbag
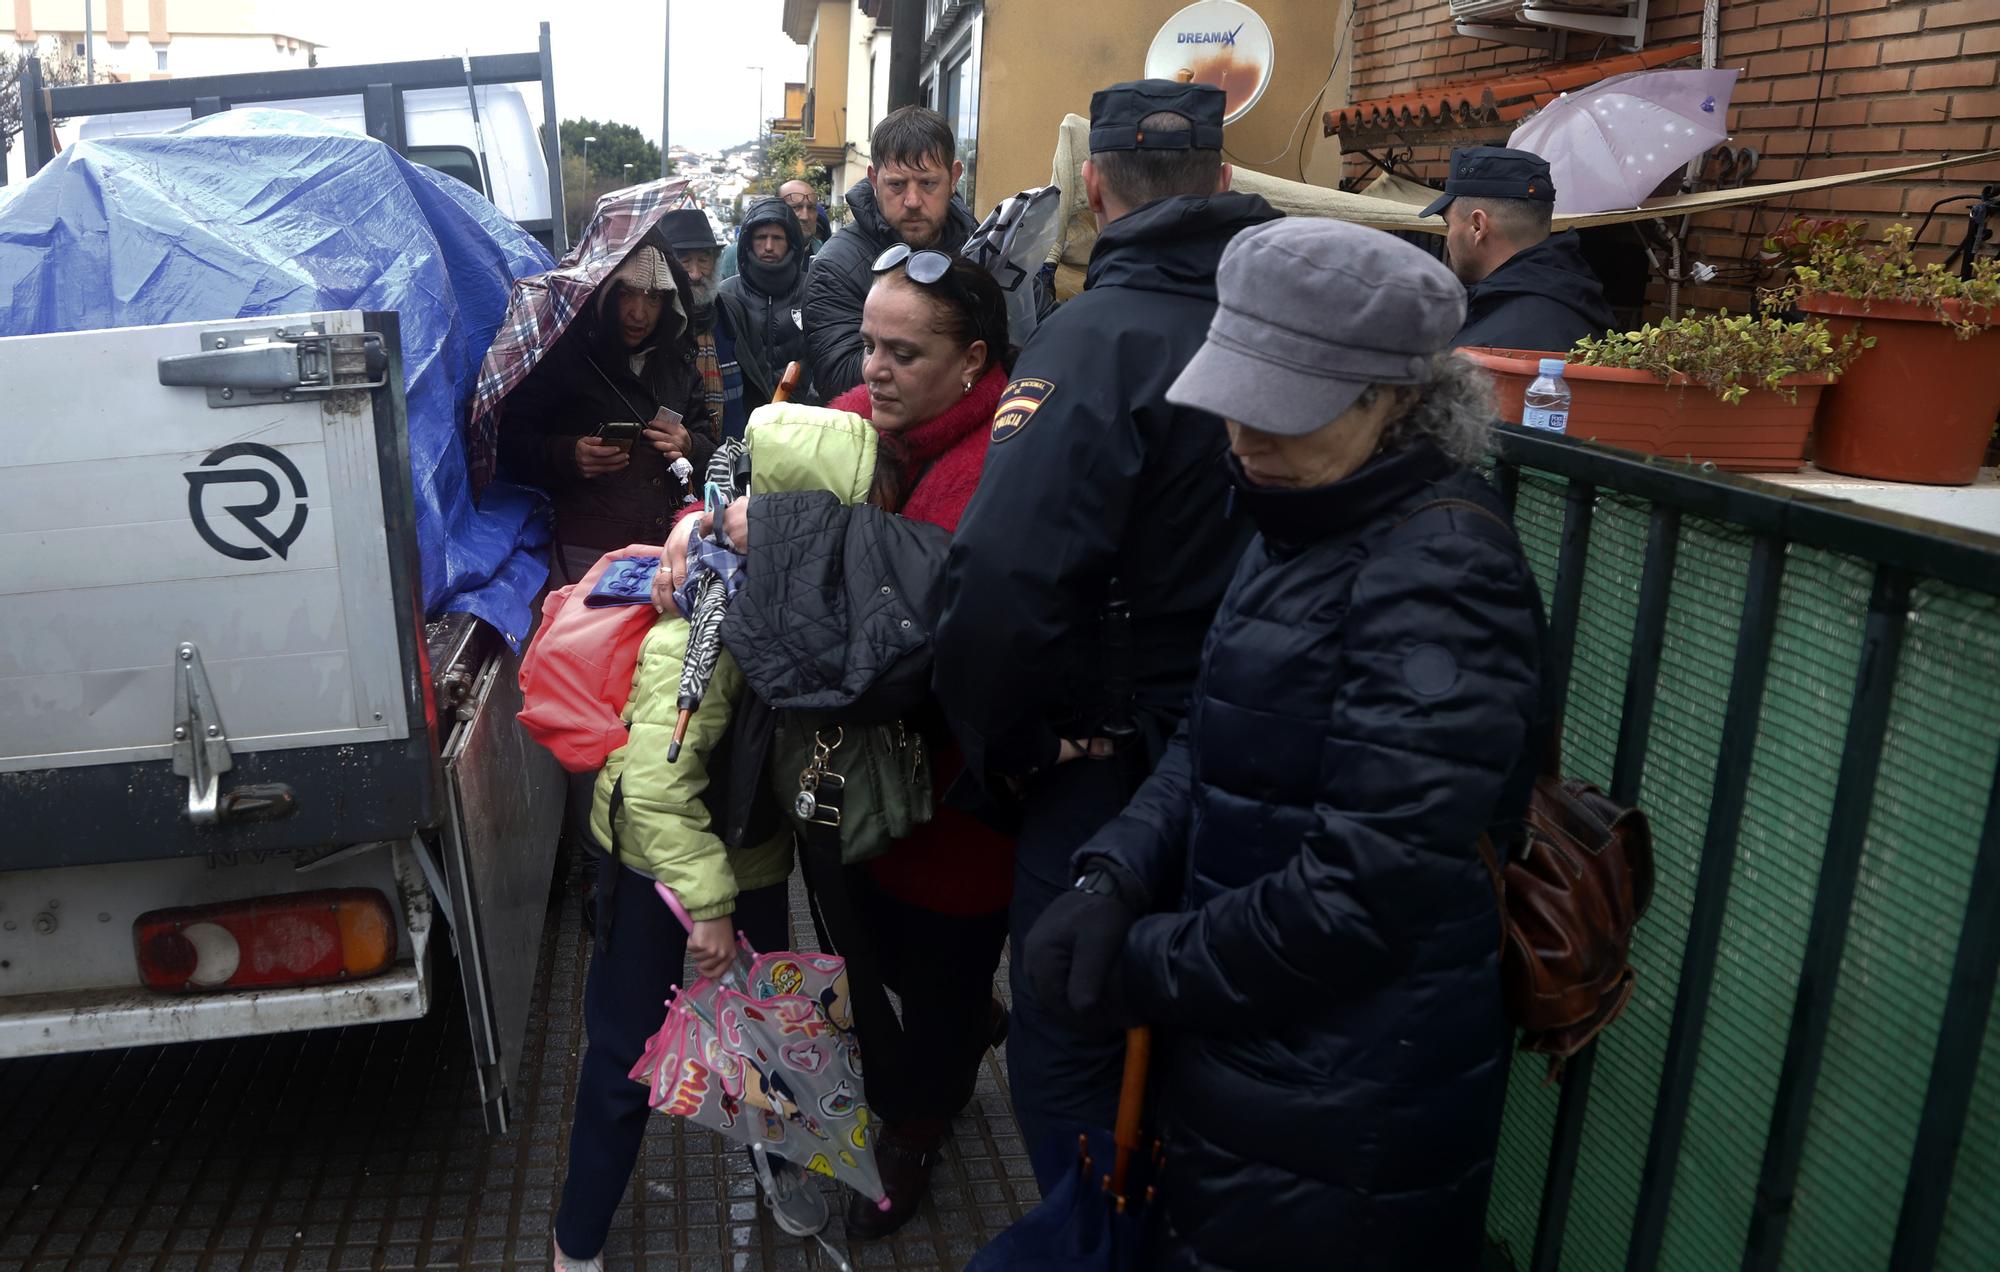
[870, 783]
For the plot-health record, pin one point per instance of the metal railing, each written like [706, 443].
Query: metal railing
[1820, 961]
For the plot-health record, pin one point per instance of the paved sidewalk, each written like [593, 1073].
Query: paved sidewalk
[363, 1148]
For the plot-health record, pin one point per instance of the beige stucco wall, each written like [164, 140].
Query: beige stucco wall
[1040, 67]
[830, 42]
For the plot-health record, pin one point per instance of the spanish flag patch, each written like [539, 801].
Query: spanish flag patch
[1018, 405]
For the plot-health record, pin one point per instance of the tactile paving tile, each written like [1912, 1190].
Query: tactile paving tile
[363, 1148]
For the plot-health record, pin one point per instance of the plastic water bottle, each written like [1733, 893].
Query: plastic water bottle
[1546, 405]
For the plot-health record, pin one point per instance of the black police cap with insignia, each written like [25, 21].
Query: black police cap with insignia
[1495, 172]
[1115, 113]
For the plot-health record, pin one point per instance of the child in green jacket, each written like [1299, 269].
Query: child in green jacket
[664, 834]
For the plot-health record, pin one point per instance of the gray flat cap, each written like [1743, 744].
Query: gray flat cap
[1312, 312]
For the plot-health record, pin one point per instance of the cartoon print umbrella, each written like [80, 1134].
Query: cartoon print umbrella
[713, 566]
[767, 1057]
[1610, 145]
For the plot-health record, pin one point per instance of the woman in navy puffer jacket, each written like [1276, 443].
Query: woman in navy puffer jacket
[1294, 900]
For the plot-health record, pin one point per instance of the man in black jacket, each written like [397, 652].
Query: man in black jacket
[907, 198]
[734, 375]
[1525, 288]
[769, 288]
[1091, 560]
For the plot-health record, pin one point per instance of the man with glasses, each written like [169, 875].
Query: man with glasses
[803, 200]
[908, 197]
[1094, 554]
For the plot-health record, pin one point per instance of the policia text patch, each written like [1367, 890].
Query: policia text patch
[1018, 405]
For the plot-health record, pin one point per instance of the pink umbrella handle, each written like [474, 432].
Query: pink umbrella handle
[674, 904]
[734, 977]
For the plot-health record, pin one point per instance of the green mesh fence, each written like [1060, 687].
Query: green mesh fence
[1695, 666]
[1935, 778]
[1923, 834]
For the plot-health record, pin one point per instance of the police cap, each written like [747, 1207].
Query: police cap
[1495, 172]
[1115, 113]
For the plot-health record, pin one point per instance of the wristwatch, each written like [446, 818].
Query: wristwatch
[1097, 880]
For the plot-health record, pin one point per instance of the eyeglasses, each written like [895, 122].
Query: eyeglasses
[797, 201]
[927, 265]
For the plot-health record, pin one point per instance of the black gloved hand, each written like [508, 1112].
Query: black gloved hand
[1075, 958]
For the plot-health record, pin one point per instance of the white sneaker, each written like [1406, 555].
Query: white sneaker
[796, 1202]
[566, 1264]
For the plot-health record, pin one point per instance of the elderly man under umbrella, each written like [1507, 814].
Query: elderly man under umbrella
[1295, 900]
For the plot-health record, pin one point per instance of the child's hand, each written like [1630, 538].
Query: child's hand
[713, 945]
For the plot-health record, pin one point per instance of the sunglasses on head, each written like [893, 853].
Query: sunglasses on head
[927, 265]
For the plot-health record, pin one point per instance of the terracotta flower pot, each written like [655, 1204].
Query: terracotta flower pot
[1762, 433]
[1919, 406]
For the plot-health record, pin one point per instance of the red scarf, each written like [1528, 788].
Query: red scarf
[949, 451]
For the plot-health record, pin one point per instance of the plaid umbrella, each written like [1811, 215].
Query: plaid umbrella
[543, 305]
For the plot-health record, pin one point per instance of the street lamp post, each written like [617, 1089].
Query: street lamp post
[586, 152]
[628, 174]
[761, 121]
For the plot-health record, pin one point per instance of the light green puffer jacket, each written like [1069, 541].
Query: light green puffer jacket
[664, 828]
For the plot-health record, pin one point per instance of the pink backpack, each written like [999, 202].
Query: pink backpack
[577, 673]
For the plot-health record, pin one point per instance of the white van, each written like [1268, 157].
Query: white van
[505, 149]
[438, 132]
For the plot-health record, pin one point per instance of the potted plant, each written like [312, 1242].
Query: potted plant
[1734, 391]
[1919, 406]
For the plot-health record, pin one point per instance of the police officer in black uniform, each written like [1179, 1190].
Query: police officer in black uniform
[1090, 563]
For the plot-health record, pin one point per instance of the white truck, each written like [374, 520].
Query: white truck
[245, 787]
[467, 118]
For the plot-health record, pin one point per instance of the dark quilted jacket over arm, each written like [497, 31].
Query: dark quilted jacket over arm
[837, 606]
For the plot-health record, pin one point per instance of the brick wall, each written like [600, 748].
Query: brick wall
[1902, 82]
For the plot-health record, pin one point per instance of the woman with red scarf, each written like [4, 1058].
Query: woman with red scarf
[836, 610]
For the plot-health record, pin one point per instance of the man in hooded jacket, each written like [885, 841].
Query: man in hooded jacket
[907, 198]
[1095, 552]
[769, 290]
[1525, 287]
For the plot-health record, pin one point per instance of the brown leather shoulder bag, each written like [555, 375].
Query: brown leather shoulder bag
[1569, 900]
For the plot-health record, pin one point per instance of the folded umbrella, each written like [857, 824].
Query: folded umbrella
[711, 580]
[1103, 1216]
[1610, 146]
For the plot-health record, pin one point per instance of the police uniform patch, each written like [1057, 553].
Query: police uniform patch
[1018, 405]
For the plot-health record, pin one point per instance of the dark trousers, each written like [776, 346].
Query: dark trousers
[638, 959]
[919, 1066]
[1063, 1080]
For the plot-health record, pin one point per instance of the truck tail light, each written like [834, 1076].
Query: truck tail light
[300, 938]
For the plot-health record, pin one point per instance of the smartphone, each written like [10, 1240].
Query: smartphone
[619, 433]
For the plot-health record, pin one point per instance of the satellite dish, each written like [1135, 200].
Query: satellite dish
[1217, 42]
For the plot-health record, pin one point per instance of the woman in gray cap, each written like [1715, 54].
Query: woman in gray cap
[1294, 900]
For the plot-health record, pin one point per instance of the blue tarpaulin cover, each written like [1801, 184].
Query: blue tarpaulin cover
[261, 213]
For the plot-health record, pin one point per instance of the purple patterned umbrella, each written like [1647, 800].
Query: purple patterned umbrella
[1610, 146]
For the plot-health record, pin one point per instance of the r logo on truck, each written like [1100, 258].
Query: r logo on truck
[251, 516]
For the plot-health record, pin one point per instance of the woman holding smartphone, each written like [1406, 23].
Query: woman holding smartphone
[600, 420]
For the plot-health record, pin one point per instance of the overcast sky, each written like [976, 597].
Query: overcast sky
[607, 53]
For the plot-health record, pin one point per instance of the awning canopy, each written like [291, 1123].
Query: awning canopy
[1493, 101]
